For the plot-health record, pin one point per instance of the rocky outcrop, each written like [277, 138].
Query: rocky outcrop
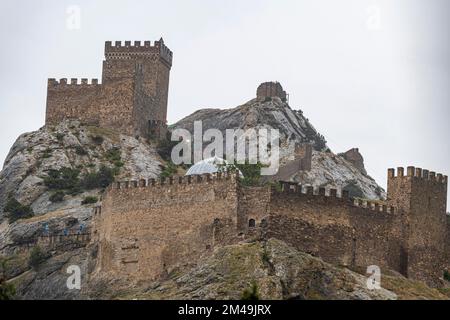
[327, 169]
[270, 270]
[355, 157]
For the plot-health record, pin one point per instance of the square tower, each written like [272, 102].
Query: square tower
[420, 197]
[132, 98]
[147, 67]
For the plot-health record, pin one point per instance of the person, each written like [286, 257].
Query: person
[46, 229]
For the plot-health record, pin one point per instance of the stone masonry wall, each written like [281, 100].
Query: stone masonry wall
[421, 197]
[147, 231]
[133, 93]
[335, 229]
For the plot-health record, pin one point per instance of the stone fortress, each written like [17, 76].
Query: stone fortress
[132, 97]
[145, 229]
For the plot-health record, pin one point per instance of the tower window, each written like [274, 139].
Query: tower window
[251, 223]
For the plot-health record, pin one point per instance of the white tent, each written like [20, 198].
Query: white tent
[210, 165]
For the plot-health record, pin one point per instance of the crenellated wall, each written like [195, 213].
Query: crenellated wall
[148, 228]
[337, 229]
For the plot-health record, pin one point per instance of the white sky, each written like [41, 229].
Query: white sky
[367, 73]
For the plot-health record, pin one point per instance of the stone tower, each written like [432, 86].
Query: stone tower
[132, 98]
[270, 90]
[420, 197]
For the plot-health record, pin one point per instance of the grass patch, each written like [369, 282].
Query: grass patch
[251, 293]
[407, 289]
[100, 133]
[89, 200]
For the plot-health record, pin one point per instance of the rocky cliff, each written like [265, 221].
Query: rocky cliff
[327, 168]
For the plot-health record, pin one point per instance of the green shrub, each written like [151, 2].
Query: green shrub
[89, 200]
[79, 150]
[113, 155]
[119, 164]
[100, 179]
[59, 137]
[251, 172]
[168, 171]
[164, 148]
[37, 256]
[251, 293]
[353, 190]
[97, 139]
[7, 290]
[62, 179]
[47, 153]
[58, 196]
[447, 275]
[16, 210]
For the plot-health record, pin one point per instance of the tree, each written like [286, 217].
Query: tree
[16, 210]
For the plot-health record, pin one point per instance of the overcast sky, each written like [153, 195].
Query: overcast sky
[367, 73]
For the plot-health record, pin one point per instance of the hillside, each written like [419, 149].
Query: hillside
[328, 169]
[269, 270]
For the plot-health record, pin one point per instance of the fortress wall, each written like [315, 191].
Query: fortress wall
[332, 228]
[146, 232]
[72, 101]
[313, 224]
[109, 105]
[376, 239]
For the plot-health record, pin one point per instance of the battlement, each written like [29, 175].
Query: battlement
[73, 82]
[412, 172]
[373, 206]
[181, 180]
[137, 49]
[298, 190]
